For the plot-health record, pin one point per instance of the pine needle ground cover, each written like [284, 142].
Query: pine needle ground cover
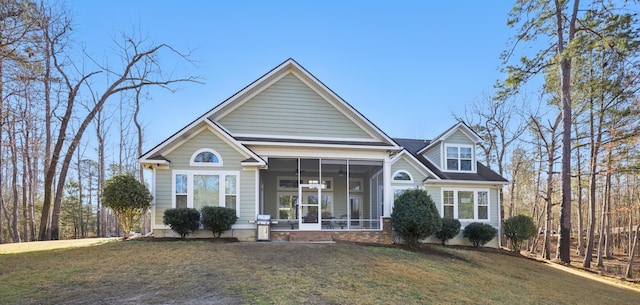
[203, 272]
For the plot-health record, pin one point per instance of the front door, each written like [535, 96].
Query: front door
[309, 213]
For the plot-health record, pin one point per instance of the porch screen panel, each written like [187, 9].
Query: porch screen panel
[206, 191]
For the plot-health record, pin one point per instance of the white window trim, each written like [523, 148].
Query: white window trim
[193, 162]
[458, 146]
[475, 203]
[401, 181]
[395, 188]
[222, 194]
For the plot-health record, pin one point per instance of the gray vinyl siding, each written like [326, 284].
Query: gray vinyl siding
[436, 194]
[402, 164]
[434, 155]
[162, 193]
[231, 158]
[181, 156]
[291, 108]
[458, 137]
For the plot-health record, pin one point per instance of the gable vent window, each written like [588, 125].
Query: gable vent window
[402, 176]
[206, 157]
[459, 158]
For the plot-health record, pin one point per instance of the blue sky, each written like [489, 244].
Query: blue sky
[406, 65]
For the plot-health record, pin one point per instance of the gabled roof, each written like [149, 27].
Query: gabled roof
[462, 126]
[483, 174]
[291, 66]
[154, 156]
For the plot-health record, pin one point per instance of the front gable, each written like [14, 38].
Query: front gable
[290, 104]
[290, 109]
[202, 133]
[454, 150]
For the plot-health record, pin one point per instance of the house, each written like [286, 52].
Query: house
[288, 146]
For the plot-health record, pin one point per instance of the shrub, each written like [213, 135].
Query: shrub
[519, 228]
[415, 217]
[450, 228]
[218, 219]
[128, 198]
[182, 220]
[479, 233]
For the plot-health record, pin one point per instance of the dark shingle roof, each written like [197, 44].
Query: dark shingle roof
[413, 146]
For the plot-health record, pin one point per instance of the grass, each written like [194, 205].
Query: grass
[199, 272]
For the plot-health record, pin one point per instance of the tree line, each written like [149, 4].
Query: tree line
[564, 125]
[53, 96]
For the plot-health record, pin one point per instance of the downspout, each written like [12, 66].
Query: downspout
[153, 201]
[499, 219]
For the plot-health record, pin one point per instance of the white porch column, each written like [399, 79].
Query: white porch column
[388, 193]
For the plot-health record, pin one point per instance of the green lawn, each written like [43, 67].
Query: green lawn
[198, 272]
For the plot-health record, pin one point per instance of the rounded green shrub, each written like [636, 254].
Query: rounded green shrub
[128, 198]
[415, 217]
[183, 221]
[218, 219]
[479, 233]
[450, 228]
[519, 228]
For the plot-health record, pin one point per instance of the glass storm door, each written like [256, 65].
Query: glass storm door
[309, 216]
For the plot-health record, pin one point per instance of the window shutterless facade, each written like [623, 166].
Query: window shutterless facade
[196, 189]
[459, 158]
[465, 204]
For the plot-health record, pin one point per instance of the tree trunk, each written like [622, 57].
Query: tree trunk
[603, 222]
[15, 228]
[632, 252]
[564, 242]
[581, 245]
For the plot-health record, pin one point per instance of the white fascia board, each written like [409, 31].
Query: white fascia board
[315, 145]
[474, 182]
[235, 144]
[170, 141]
[472, 135]
[346, 108]
[302, 138]
[431, 144]
[240, 97]
[417, 164]
[286, 152]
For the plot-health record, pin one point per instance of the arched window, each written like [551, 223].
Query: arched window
[206, 157]
[402, 176]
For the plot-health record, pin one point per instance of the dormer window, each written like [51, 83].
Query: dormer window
[206, 157]
[459, 158]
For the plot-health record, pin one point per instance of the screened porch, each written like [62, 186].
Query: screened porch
[323, 194]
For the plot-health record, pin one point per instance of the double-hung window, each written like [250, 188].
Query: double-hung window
[196, 189]
[465, 204]
[459, 158]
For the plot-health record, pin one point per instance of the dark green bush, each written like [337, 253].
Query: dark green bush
[479, 233]
[218, 219]
[128, 198]
[415, 217]
[519, 228]
[450, 228]
[182, 220]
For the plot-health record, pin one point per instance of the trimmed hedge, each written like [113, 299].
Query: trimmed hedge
[479, 233]
[218, 219]
[183, 221]
[450, 228]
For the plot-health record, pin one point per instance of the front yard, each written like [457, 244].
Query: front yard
[203, 272]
